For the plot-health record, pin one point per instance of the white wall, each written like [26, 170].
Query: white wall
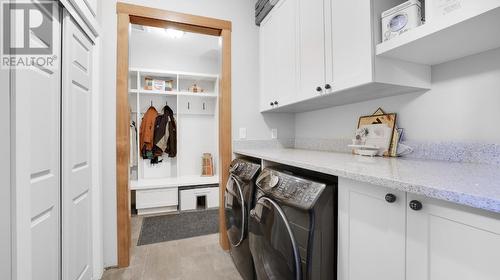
[245, 86]
[191, 53]
[463, 106]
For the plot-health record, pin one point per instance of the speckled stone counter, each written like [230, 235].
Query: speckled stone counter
[474, 185]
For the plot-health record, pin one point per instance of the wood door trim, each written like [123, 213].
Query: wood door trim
[127, 14]
[152, 13]
[179, 26]
[122, 142]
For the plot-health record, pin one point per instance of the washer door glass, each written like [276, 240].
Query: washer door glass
[272, 243]
[235, 211]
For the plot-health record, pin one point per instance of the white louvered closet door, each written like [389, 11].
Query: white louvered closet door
[76, 152]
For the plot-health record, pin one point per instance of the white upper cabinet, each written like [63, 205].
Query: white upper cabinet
[371, 232]
[351, 33]
[324, 51]
[312, 48]
[446, 241]
[278, 55]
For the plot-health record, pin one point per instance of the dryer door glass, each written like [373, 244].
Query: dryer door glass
[274, 250]
[234, 203]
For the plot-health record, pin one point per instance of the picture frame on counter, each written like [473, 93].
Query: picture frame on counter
[381, 128]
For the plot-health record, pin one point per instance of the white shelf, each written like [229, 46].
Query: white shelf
[173, 182]
[153, 92]
[173, 93]
[197, 94]
[454, 36]
[170, 73]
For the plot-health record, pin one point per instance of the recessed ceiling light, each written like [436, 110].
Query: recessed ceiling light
[174, 33]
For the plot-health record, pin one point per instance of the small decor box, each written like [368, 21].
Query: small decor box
[158, 85]
[154, 84]
[400, 19]
[148, 83]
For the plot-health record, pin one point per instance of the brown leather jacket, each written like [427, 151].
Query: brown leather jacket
[147, 131]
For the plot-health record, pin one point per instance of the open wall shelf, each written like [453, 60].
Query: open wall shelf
[174, 93]
[468, 30]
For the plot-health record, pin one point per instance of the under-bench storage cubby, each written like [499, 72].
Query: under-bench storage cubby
[198, 197]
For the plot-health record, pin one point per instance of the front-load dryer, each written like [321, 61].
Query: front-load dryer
[293, 226]
[238, 201]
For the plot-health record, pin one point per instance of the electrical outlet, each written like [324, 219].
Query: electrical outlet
[274, 133]
[243, 133]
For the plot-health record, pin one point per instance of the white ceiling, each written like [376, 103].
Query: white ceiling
[193, 44]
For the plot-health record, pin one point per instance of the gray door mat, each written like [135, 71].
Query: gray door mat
[178, 226]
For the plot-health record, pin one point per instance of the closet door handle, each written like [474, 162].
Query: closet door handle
[272, 104]
[203, 105]
[189, 106]
[328, 86]
[319, 89]
[276, 103]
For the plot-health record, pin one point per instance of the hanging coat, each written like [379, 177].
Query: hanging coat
[146, 136]
[172, 134]
[165, 136]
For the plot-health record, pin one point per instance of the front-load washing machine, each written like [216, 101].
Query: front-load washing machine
[293, 226]
[238, 201]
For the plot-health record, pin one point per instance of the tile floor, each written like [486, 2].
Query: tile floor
[187, 259]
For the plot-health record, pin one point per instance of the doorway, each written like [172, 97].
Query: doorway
[132, 14]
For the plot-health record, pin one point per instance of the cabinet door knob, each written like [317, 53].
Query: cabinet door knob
[319, 89]
[390, 198]
[415, 205]
[328, 86]
[271, 103]
[275, 102]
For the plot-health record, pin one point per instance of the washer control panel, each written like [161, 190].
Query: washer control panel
[290, 189]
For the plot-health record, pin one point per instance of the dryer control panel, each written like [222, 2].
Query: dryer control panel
[244, 170]
[290, 189]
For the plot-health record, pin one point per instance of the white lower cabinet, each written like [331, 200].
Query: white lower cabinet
[413, 238]
[371, 232]
[447, 241]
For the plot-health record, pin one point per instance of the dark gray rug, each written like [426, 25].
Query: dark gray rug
[178, 226]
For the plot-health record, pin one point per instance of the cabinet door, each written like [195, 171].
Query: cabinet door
[278, 55]
[350, 58]
[311, 48]
[371, 232]
[446, 241]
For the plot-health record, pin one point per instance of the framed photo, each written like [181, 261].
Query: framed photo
[380, 131]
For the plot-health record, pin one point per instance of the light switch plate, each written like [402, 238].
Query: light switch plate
[243, 133]
[274, 133]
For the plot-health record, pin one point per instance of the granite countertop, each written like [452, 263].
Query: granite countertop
[475, 185]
